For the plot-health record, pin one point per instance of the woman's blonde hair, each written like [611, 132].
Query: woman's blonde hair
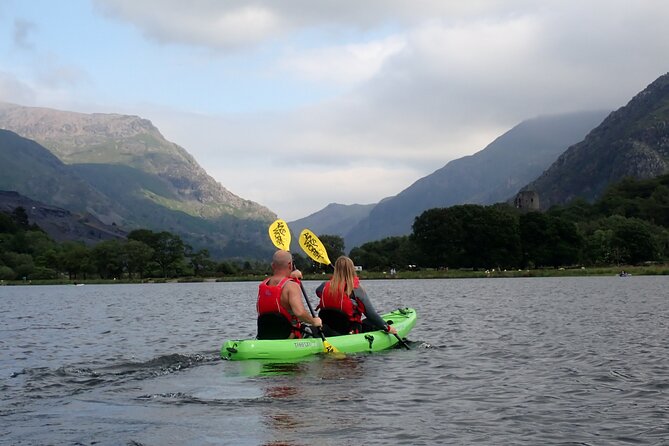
[342, 279]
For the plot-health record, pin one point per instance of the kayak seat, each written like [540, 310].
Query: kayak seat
[273, 326]
[336, 320]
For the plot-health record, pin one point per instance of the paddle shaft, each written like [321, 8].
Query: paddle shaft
[402, 343]
[311, 310]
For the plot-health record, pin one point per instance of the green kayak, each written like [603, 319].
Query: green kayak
[288, 349]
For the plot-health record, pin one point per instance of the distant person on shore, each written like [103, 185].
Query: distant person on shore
[279, 306]
[343, 302]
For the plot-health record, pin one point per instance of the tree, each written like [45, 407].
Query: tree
[168, 251]
[74, 258]
[469, 236]
[549, 240]
[109, 259]
[390, 252]
[201, 262]
[619, 240]
[138, 256]
[227, 268]
[168, 248]
[20, 217]
[334, 245]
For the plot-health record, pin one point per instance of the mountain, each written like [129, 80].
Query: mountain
[112, 139]
[489, 176]
[633, 142]
[122, 170]
[334, 219]
[33, 171]
[60, 224]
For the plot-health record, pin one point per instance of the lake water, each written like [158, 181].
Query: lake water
[561, 361]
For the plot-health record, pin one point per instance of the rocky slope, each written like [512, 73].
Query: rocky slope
[121, 170]
[111, 139]
[60, 224]
[633, 141]
[33, 171]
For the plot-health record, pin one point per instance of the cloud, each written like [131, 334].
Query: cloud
[427, 94]
[14, 91]
[410, 85]
[209, 23]
[342, 64]
[22, 31]
[231, 24]
[53, 74]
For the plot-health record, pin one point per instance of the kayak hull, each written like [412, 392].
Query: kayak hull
[290, 349]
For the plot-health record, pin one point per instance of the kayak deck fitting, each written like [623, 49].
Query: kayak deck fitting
[402, 319]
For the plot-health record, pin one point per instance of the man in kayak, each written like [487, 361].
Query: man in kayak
[279, 305]
[344, 301]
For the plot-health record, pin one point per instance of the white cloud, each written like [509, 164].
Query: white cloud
[210, 23]
[342, 64]
[233, 24]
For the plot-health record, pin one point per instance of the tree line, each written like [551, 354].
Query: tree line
[27, 253]
[629, 224]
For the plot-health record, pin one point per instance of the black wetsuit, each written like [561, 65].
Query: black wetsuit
[372, 319]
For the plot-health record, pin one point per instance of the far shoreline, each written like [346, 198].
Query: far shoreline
[607, 271]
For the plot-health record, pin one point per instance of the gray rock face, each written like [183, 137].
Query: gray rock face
[79, 138]
[632, 141]
[60, 224]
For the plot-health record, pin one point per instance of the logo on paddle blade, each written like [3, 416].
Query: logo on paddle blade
[309, 243]
[279, 232]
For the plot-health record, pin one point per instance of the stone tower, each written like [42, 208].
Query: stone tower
[527, 200]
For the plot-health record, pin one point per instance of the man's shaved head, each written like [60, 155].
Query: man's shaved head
[281, 258]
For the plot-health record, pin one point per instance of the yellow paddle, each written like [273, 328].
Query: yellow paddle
[315, 249]
[280, 236]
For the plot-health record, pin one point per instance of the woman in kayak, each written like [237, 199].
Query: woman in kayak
[343, 302]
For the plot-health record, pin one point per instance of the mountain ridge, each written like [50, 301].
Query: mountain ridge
[101, 138]
[121, 170]
[632, 141]
[485, 177]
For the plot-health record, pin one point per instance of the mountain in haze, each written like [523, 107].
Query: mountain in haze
[488, 176]
[633, 141]
[334, 219]
[122, 170]
[60, 224]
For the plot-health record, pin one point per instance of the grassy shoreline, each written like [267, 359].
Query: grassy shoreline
[645, 270]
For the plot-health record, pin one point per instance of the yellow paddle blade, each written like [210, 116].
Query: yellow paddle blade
[313, 247]
[329, 348]
[280, 234]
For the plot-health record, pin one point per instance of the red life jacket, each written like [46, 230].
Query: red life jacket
[351, 306]
[269, 301]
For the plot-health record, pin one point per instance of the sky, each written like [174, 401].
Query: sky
[295, 104]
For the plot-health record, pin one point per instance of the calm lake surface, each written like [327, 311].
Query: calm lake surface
[494, 361]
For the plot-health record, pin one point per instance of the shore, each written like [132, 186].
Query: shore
[645, 270]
